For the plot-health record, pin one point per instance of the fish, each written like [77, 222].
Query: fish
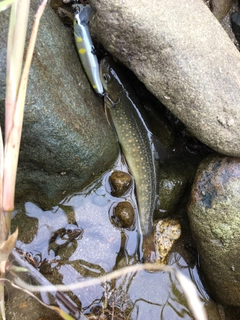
[85, 47]
[137, 145]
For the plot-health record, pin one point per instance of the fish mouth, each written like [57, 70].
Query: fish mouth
[109, 77]
[104, 69]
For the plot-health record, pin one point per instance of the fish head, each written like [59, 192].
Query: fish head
[111, 83]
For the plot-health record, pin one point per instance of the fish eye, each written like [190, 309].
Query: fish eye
[106, 77]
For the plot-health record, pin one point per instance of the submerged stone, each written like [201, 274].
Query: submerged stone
[120, 182]
[123, 215]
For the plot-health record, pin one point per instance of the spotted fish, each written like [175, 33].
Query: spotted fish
[137, 146]
[85, 46]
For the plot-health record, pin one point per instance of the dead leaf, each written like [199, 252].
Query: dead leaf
[5, 249]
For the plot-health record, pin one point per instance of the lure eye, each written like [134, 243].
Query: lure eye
[106, 77]
[76, 20]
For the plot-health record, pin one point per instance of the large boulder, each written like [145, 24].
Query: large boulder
[184, 57]
[215, 223]
[66, 140]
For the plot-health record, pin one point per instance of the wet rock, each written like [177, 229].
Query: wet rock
[120, 182]
[64, 11]
[103, 313]
[172, 185]
[215, 221]
[22, 304]
[189, 64]
[175, 179]
[223, 17]
[220, 8]
[235, 21]
[66, 140]
[160, 127]
[123, 215]
[167, 231]
[171, 192]
[64, 238]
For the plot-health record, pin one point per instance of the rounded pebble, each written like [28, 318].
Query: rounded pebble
[123, 215]
[120, 182]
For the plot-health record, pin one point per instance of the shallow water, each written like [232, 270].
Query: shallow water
[100, 247]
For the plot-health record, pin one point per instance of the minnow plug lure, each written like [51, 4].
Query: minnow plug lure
[85, 46]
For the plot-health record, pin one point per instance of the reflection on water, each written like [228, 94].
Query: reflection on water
[76, 240]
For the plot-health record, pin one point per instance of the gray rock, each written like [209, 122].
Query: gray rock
[215, 221]
[184, 57]
[220, 8]
[173, 181]
[66, 141]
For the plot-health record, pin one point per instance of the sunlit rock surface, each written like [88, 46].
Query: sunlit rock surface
[215, 221]
[184, 57]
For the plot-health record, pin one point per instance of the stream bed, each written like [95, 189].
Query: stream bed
[76, 241]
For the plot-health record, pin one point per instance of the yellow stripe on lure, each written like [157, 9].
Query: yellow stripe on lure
[85, 47]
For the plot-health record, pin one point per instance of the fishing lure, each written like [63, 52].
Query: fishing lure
[85, 46]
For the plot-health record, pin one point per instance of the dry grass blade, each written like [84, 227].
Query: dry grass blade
[191, 295]
[5, 249]
[16, 43]
[187, 286]
[14, 136]
[6, 4]
[2, 304]
[3, 227]
[92, 282]
[1, 167]
[14, 109]
[108, 277]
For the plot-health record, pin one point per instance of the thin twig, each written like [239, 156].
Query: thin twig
[188, 287]
[92, 282]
